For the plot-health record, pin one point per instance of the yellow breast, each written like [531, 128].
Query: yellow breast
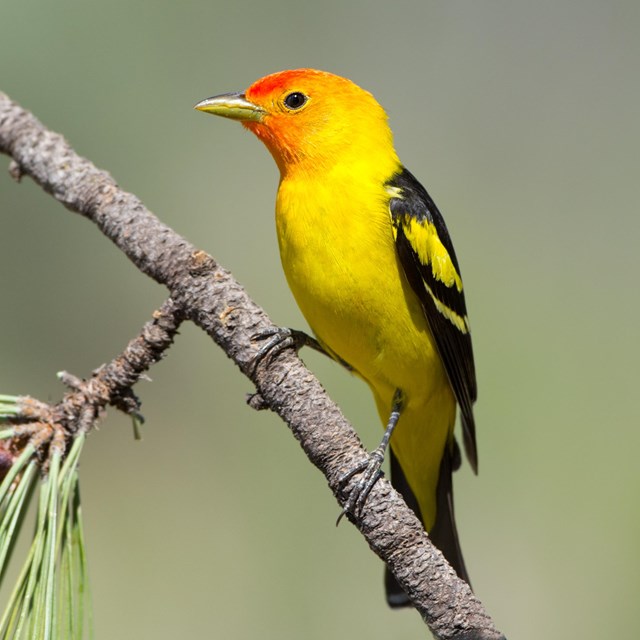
[339, 258]
[340, 261]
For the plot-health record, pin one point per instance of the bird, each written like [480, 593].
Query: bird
[370, 262]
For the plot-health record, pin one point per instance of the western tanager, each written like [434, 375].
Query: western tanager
[370, 262]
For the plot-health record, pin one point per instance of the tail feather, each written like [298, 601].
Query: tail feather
[443, 534]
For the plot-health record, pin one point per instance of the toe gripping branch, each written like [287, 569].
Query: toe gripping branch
[280, 338]
[277, 340]
[370, 468]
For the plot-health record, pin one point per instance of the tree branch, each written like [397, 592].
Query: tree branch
[207, 294]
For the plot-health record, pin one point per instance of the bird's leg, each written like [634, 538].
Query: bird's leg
[281, 338]
[370, 468]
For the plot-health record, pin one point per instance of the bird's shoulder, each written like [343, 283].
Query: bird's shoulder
[418, 224]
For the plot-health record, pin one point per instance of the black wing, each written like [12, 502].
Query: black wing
[431, 267]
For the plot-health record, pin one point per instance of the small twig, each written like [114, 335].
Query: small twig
[52, 427]
[111, 383]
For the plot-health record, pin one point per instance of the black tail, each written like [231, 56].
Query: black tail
[443, 534]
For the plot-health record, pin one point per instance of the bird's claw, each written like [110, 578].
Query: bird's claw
[278, 339]
[371, 473]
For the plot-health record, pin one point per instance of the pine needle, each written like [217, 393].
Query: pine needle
[51, 595]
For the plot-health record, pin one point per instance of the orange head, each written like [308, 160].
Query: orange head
[309, 120]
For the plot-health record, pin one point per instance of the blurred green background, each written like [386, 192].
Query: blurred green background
[521, 119]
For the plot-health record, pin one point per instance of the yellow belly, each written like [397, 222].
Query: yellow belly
[344, 273]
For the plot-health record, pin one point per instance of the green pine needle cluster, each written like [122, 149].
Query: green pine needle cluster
[50, 600]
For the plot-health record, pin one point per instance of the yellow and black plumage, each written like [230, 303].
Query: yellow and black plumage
[370, 262]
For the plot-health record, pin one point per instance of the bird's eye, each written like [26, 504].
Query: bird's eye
[295, 100]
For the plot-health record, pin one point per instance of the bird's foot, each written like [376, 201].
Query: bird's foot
[280, 338]
[371, 473]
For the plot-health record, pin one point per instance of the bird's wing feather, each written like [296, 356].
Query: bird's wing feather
[429, 262]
